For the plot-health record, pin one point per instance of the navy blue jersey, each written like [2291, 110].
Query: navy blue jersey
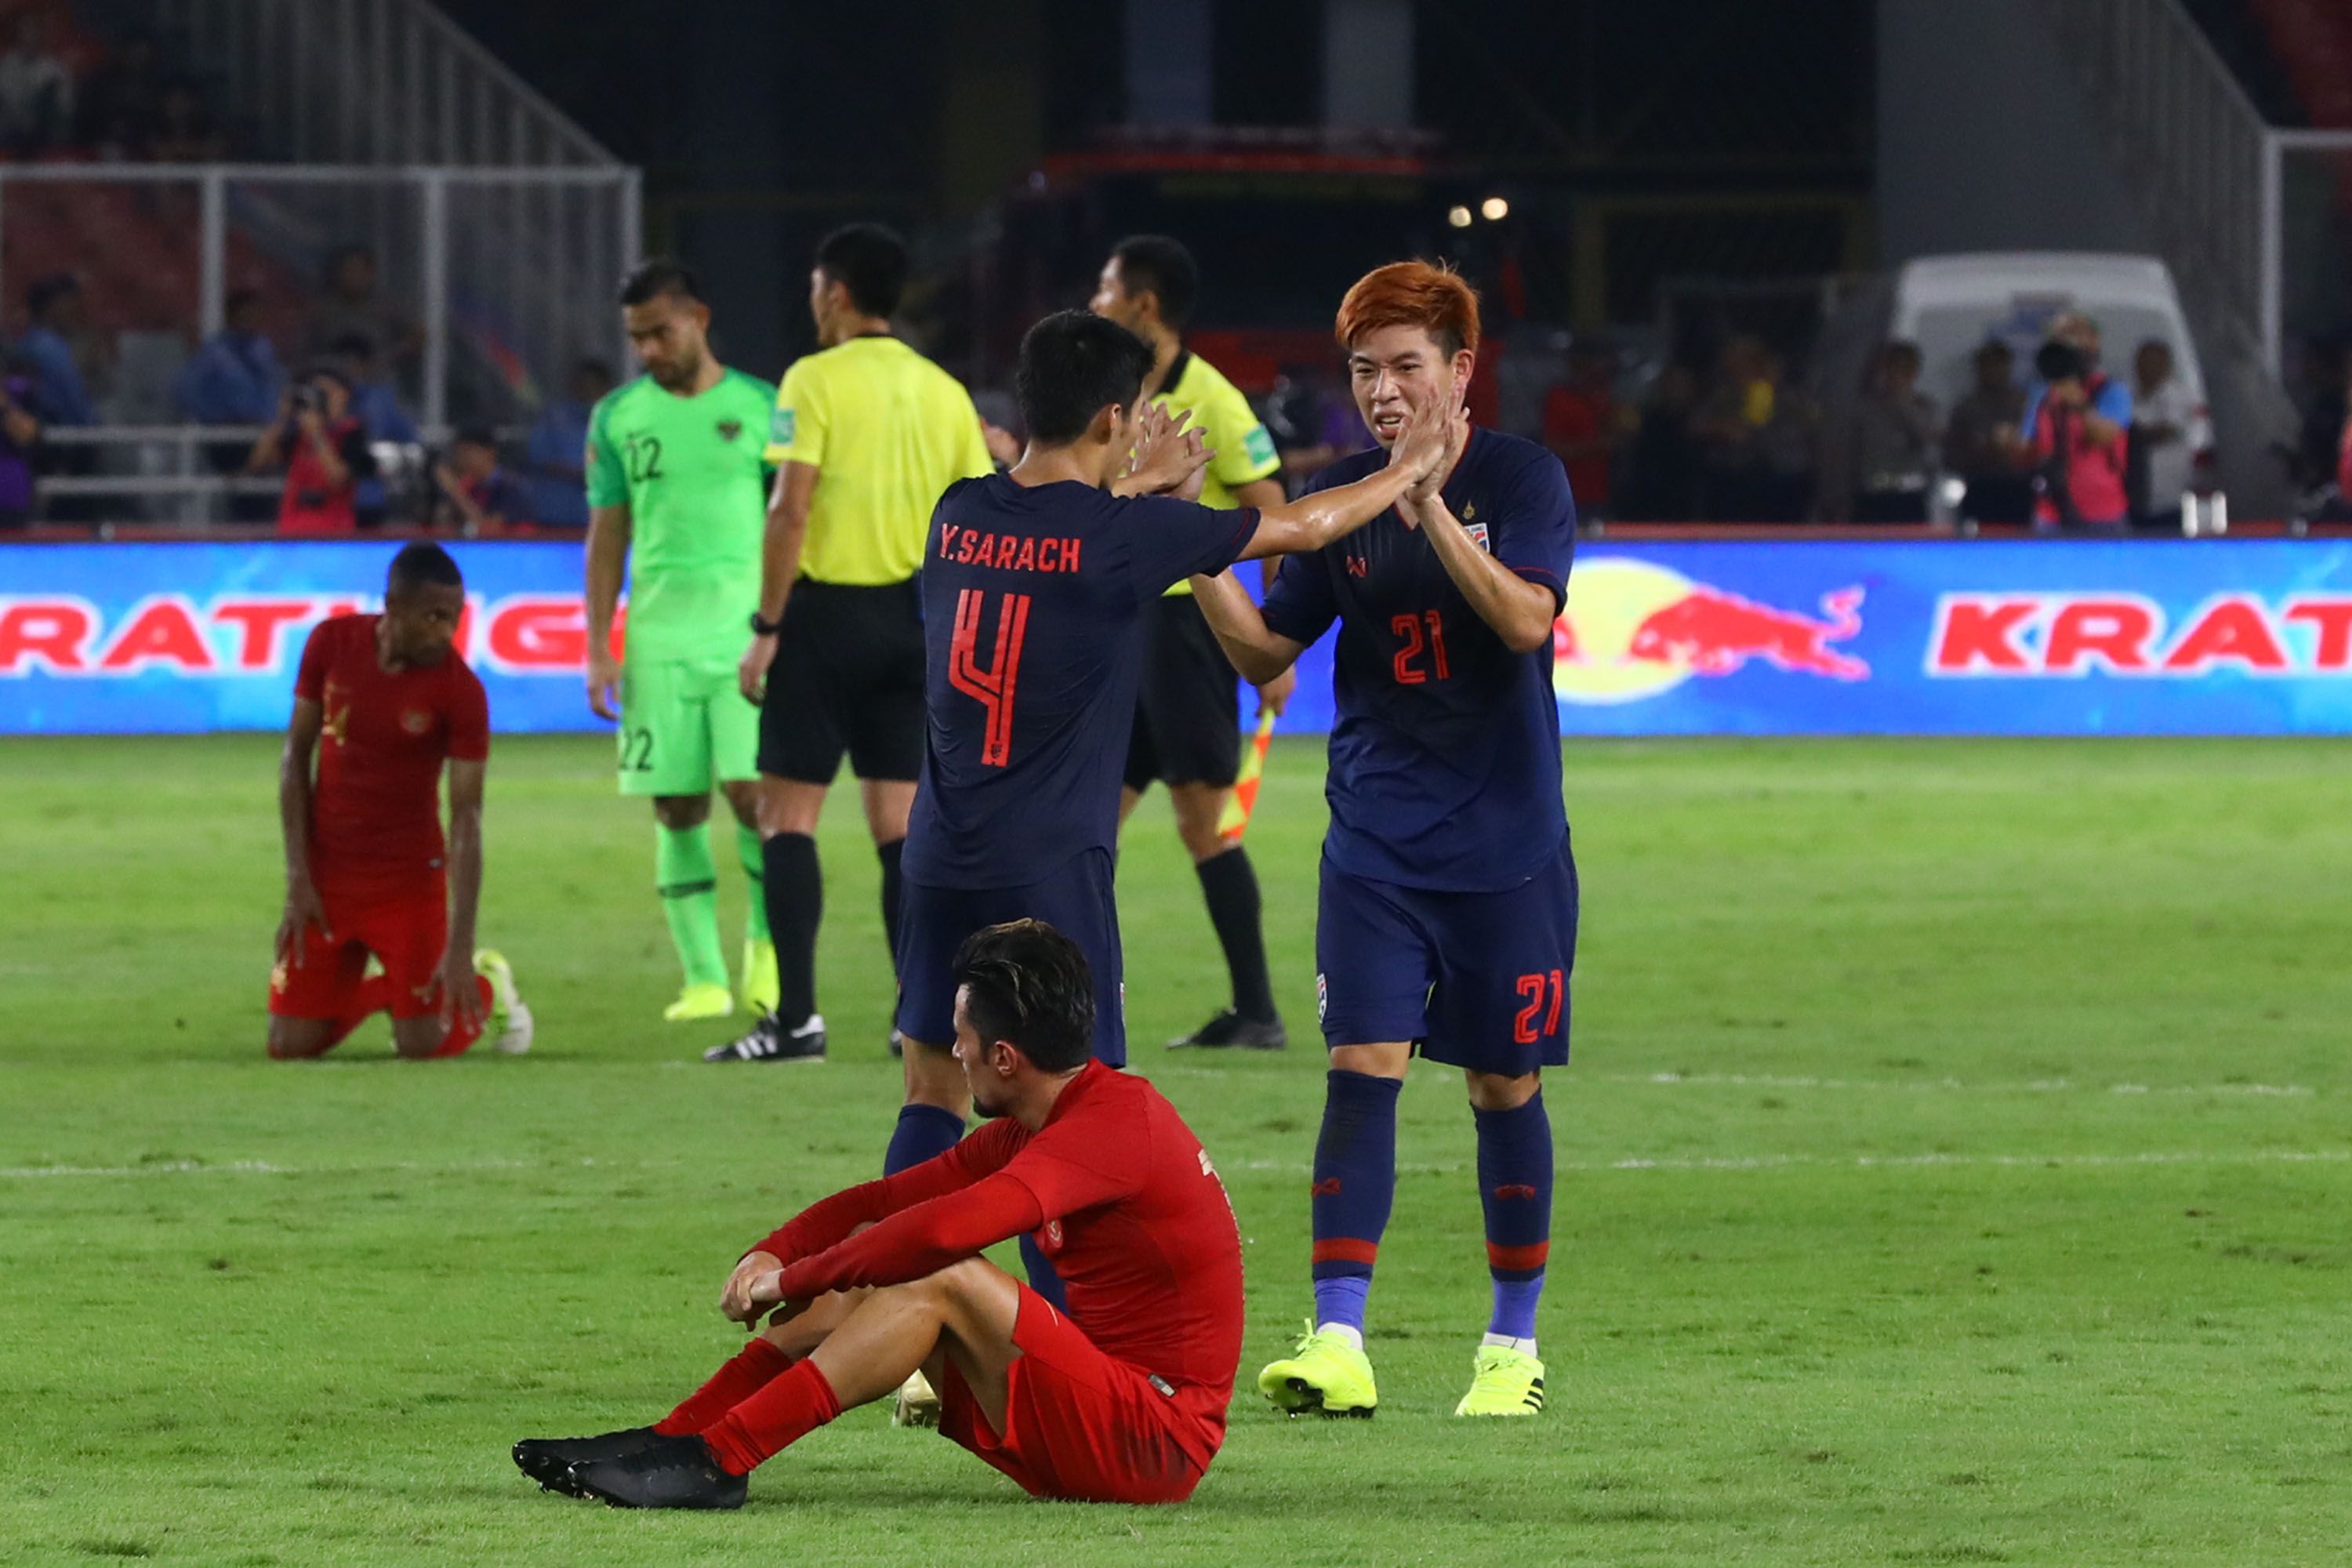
[1032, 599]
[1445, 759]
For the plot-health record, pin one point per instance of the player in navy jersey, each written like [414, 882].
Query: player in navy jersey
[1034, 582]
[1447, 918]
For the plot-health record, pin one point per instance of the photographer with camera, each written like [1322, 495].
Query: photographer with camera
[323, 449]
[2077, 434]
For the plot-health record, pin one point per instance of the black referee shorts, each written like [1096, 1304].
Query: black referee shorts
[1188, 707]
[848, 676]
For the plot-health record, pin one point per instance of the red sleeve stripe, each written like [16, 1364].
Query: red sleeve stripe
[1517, 1258]
[1347, 1249]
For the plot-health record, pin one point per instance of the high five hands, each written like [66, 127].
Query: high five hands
[1168, 459]
[1430, 443]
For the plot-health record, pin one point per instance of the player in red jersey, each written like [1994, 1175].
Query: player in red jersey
[1121, 1399]
[367, 871]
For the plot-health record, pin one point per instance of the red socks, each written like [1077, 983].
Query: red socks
[375, 994]
[752, 1368]
[790, 1408]
[462, 1035]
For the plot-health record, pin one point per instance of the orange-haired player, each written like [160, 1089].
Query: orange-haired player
[367, 870]
[1446, 923]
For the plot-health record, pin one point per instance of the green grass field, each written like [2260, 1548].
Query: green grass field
[1956, 1167]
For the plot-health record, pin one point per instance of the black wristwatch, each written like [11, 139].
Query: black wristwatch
[764, 627]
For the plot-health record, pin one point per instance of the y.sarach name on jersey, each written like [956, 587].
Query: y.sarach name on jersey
[1006, 552]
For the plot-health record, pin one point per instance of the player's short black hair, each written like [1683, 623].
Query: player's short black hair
[1025, 982]
[1155, 264]
[653, 280]
[475, 436]
[421, 564]
[1074, 363]
[869, 261]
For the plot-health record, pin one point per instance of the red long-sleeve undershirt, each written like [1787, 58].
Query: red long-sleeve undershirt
[921, 1220]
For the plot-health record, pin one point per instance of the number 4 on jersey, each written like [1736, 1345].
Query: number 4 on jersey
[992, 686]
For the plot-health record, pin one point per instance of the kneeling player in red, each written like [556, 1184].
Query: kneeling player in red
[1121, 1399]
[365, 875]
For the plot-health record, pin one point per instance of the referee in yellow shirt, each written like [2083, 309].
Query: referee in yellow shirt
[1187, 718]
[866, 436]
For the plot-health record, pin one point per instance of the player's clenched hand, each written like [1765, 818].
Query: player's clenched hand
[304, 909]
[461, 999]
[1274, 695]
[752, 674]
[603, 684]
[742, 1301]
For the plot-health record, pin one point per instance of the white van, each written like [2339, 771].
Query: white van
[1949, 305]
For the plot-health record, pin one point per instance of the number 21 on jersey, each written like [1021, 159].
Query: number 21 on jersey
[1412, 644]
[993, 686]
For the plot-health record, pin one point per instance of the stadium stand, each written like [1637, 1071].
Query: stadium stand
[496, 227]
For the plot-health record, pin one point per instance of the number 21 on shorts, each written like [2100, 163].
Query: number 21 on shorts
[1534, 990]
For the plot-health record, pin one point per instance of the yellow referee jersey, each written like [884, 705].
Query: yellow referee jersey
[1227, 423]
[888, 431]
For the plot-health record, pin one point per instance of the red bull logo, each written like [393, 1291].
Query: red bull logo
[1634, 629]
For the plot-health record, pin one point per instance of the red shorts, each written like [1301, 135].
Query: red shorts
[1078, 1424]
[405, 933]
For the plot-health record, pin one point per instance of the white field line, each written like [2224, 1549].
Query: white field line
[1946, 1085]
[1573, 1076]
[1878, 1162]
[271, 1168]
[1289, 1167]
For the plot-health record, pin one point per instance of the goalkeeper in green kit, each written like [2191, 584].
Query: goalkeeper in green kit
[678, 496]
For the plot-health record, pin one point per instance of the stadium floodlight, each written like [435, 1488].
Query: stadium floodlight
[1494, 209]
[1458, 216]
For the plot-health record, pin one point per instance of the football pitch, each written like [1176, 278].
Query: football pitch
[1956, 1167]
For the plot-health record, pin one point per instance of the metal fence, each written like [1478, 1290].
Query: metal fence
[504, 275]
[370, 81]
[2239, 205]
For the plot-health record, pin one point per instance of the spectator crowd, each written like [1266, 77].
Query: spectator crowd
[2061, 444]
[334, 431]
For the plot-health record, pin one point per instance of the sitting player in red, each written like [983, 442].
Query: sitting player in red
[1122, 1399]
[367, 871]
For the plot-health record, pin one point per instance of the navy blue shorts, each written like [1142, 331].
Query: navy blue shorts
[1076, 900]
[1481, 980]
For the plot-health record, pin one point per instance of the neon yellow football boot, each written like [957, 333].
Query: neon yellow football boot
[509, 1026]
[698, 1002]
[761, 990]
[1508, 1382]
[1325, 1375]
